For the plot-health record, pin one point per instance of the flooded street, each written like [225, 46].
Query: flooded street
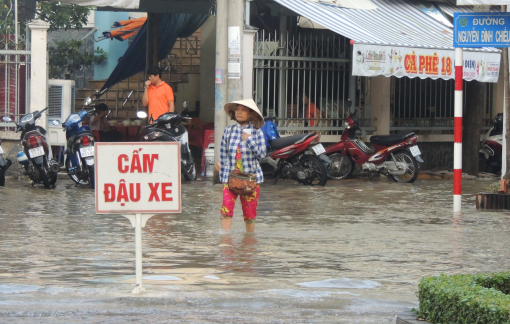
[349, 252]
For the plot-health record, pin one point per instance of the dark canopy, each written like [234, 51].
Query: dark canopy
[171, 26]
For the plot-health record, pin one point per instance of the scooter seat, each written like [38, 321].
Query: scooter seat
[390, 139]
[281, 142]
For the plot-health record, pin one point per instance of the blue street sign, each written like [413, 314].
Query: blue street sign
[481, 29]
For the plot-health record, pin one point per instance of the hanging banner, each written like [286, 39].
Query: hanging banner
[123, 4]
[374, 60]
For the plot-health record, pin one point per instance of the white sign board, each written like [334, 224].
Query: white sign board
[234, 40]
[134, 178]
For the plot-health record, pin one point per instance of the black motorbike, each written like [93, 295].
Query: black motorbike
[168, 128]
[4, 165]
[35, 156]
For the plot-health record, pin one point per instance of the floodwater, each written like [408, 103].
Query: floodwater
[349, 252]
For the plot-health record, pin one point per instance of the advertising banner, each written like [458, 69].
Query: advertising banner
[374, 60]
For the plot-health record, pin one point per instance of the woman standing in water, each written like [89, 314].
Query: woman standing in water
[246, 147]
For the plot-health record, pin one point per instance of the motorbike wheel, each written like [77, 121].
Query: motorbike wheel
[412, 167]
[2, 177]
[43, 173]
[483, 163]
[92, 179]
[319, 172]
[73, 177]
[191, 174]
[341, 166]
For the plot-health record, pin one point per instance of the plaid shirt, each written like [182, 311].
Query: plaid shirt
[252, 150]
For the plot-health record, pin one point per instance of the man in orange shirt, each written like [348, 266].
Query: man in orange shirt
[158, 95]
[311, 112]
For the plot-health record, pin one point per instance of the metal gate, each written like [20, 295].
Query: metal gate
[288, 67]
[425, 106]
[14, 76]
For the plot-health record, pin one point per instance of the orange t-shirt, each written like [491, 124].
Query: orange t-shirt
[310, 112]
[158, 99]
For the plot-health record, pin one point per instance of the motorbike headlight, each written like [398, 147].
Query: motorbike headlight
[152, 136]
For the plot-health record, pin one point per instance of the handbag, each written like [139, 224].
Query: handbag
[240, 183]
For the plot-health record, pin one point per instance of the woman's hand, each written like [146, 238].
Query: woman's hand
[245, 136]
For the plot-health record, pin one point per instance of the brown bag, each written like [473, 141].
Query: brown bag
[241, 183]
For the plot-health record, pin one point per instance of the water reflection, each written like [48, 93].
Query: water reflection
[56, 250]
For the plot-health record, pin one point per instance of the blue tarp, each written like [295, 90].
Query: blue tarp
[171, 26]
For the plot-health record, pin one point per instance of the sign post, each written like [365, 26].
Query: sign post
[138, 180]
[473, 30]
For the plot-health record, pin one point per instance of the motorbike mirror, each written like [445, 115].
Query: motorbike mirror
[55, 122]
[141, 114]
[7, 119]
[87, 101]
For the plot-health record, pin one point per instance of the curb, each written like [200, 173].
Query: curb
[409, 317]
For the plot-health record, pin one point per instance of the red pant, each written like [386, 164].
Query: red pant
[249, 203]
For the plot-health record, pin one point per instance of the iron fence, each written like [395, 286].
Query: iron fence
[426, 106]
[289, 67]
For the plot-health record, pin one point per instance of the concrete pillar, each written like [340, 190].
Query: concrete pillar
[39, 68]
[220, 89]
[207, 69]
[235, 49]
[248, 35]
[381, 110]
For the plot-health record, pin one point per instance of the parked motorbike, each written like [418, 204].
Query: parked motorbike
[491, 150]
[38, 165]
[299, 157]
[168, 128]
[396, 156]
[4, 165]
[79, 161]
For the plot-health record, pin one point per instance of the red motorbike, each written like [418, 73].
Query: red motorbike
[300, 157]
[396, 156]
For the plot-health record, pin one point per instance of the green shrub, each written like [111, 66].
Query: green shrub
[473, 299]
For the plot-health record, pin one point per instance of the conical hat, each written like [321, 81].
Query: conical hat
[230, 109]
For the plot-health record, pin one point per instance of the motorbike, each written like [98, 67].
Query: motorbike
[4, 165]
[299, 157]
[396, 156]
[168, 128]
[491, 150]
[35, 156]
[79, 155]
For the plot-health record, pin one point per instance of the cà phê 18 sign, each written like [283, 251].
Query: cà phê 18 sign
[138, 178]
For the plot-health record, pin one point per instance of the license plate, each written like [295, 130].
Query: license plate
[36, 151]
[1, 151]
[87, 151]
[415, 150]
[318, 149]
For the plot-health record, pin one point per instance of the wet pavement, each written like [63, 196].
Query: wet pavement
[349, 252]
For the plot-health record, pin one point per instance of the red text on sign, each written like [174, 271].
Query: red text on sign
[135, 165]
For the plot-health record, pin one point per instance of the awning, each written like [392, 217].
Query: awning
[394, 27]
[481, 2]
[449, 7]
[171, 26]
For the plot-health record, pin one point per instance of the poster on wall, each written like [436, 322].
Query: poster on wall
[374, 60]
